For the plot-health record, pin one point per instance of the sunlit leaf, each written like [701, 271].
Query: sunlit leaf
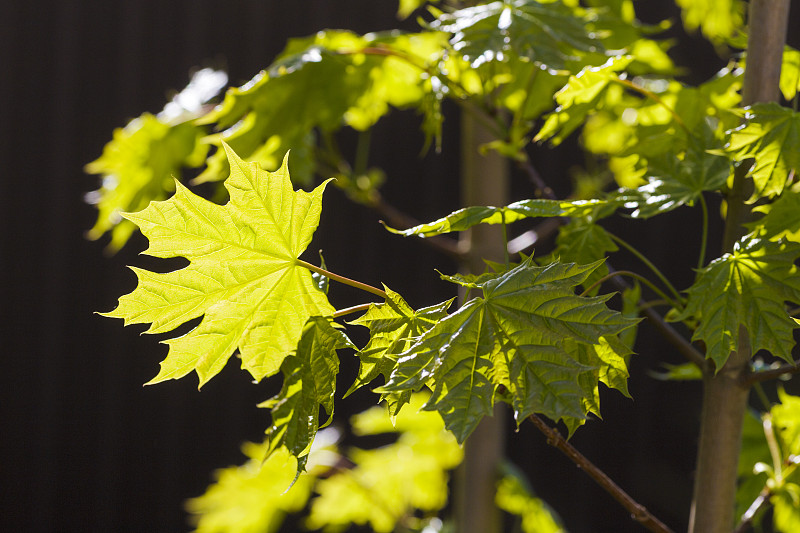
[790, 73]
[579, 98]
[467, 217]
[514, 497]
[677, 181]
[322, 83]
[771, 136]
[252, 498]
[392, 482]
[138, 165]
[782, 217]
[750, 286]
[514, 336]
[548, 33]
[717, 19]
[243, 276]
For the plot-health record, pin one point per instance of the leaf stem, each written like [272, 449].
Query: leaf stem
[635, 276]
[701, 260]
[341, 279]
[505, 238]
[350, 310]
[638, 511]
[649, 265]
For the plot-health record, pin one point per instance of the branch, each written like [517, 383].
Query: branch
[637, 510]
[773, 373]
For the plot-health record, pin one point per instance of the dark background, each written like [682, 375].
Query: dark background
[83, 446]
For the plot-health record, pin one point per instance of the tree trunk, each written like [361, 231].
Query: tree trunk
[484, 181]
[725, 396]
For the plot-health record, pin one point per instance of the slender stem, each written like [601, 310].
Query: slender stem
[647, 263]
[638, 511]
[362, 152]
[669, 333]
[633, 275]
[701, 260]
[505, 238]
[350, 310]
[774, 447]
[755, 507]
[341, 279]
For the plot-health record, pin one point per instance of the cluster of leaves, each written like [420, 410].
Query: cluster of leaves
[400, 484]
[537, 336]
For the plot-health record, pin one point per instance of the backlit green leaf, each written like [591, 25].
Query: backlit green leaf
[749, 288]
[309, 382]
[579, 98]
[515, 337]
[782, 217]
[771, 136]
[514, 497]
[391, 483]
[138, 165]
[467, 217]
[717, 19]
[252, 498]
[243, 276]
[322, 83]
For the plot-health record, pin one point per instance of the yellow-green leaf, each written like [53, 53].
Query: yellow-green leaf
[243, 276]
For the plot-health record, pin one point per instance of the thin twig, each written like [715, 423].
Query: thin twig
[536, 178]
[638, 511]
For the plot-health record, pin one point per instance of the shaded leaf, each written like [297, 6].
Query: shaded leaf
[309, 382]
[515, 337]
[394, 326]
[750, 286]
[243, 276]
[771, 136]
[515, 497]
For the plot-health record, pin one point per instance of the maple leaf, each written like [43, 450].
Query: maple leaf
[771, 136]
[243, 276]
[750, 286]
[394, 326]
[467, 217]
[548, 33]
[677, 181]
[309, 382]
[515, 336]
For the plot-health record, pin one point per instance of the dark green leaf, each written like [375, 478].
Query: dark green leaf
[309, 381]
[519, 335]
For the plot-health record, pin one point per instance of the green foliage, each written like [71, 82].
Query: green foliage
[139, 165]
[529, 338]
[769, 135]
[393, 327]
[529, 334]
[243, 276]
[751, 284]
[718, 19]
